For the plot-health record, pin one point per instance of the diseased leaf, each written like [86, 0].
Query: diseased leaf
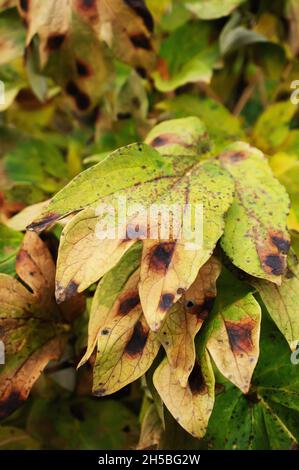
[125, 351]
[168, 268]
[234, 340]
[32, 328]
[255, 236]
[191, 406]
[185, 319]
[269, 412]
[141, 164]
[282, 303]
[112, 296]
[151, 430]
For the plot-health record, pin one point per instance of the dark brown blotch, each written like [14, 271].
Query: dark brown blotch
[82, 99]
[43, 223]
[167, 139]
[141, 41]
[196, 380]
[166, 301]
[83, 69]
[232, 156]
[24, 5]
[276, 264]
[281, 243]
[161, 256]
[65, 293]
[141, 10]
[240, 335]
[55, 41]
[128, 304]
[137, 341]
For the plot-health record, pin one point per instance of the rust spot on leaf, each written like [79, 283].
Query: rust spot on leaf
[196, 380]
[137, 341]
[55, 41]
[240, 335]
[40, 225]
[11, 402]
[166, 301]
[129, 303]
[161, 256]
[141, 10]
[141, 41]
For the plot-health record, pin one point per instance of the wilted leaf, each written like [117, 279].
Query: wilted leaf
[255, 236]
[185, 319]
[234, 339]
[126, 349]
[282, 302]
[191, 406]
[31, 325]
[112, 296]
[151, 430]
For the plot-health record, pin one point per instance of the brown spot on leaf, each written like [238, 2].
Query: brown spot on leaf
[137, 341]
[240, 335]
[166, 301]
[43, 223]
[100, 392]
[65, 293]
[141, 10]
[166, 139]
[196, 380]
[128, 304]
[10, 403]
[161, 256]
[141, 41]
[272, 253]
[231, 156]
[88, 9]
[55, 41]
[83, 69]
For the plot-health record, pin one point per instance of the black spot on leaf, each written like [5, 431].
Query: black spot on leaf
[276, 264]
[282, 244]
[24, 5]
[82, 68]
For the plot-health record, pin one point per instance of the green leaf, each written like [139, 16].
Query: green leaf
[194, 63]
[211, 9]
[10, 241]
[255, 236]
